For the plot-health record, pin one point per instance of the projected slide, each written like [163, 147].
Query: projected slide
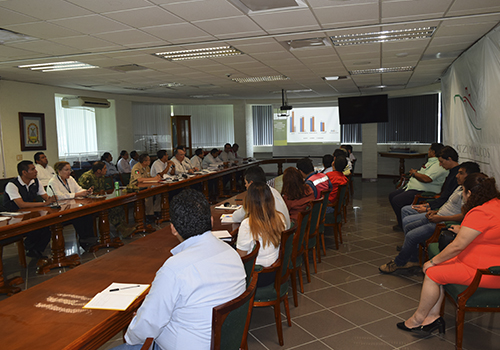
[319, 124]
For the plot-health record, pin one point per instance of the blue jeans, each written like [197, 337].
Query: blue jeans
[406, 211]
[417, 229]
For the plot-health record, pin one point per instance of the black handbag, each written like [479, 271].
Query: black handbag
[445, 238]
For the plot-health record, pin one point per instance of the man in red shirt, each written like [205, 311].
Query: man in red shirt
[337, 178]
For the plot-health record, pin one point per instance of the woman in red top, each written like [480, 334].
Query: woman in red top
[295, 192]
[475, 247]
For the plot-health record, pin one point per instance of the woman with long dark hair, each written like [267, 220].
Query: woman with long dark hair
[263, 223]
[295, 192]
[476, 247]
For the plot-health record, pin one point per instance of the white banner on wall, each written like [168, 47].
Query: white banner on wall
[471, 105]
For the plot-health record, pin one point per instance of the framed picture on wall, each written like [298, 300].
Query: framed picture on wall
[32, 130]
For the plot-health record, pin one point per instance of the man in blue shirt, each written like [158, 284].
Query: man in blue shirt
[202, 273]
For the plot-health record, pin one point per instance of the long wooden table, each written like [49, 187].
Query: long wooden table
[43, 217]
[49, 316]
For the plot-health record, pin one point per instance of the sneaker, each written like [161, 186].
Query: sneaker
[390, 267]
[411, 264]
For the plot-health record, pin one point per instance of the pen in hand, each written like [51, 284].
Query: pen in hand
[118, 289]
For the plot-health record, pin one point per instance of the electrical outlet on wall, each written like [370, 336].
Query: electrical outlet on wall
[19, 157]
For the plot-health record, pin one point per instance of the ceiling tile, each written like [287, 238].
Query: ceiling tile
[464, 7]
[99, 6]
[230, 27]
[45, 9]
[350, 15]
[144, 17]
[42, 30]
[46, 47]
[179, 33]
[132, 37]
[87, 43]
[91, 24]
[203, 10]
[413, 10]
[12, 53]
[285, 21]
[11, 17]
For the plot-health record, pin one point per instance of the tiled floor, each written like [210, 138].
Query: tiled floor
[348, 304]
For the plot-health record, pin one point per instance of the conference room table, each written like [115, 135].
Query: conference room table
[50, 316]
[17, 227]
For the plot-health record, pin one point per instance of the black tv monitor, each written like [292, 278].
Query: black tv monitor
[363, 109]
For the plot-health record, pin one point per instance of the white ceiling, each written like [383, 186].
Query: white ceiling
[110, 33]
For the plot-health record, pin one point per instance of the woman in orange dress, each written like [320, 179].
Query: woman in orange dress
[475, 247]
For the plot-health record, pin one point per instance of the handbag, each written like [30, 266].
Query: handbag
[445, 238]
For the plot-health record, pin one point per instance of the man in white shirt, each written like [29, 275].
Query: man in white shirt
[44, 170]
[182, 166]
[203, 272]
[212, 159]
[20, 193]
[256, 174]
[197, 159]
[162, 166]
[227, 155]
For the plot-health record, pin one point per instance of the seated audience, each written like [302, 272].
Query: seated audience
[64, 186]
[203, 272]
[141, 177]
[162, 166]
[134, 159]
[235, 149]
[419, 227]
[256, 174]
[295, 192]
[475, 247]
[264, 224]
[429, 178]
[94, 178]
[123, 164]
[20, 193]
[227, 154]
[327, 163]
[448, 159]
[107, 158]
[317, 181]
[44, 170]
[197, 159]
[181, 163]
[350, 156]
[340, 152]
[212, 159]
[336, 178]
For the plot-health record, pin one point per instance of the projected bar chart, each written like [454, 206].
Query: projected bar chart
[312, 124]
[292, 123]
[315, 124]
[322, 127]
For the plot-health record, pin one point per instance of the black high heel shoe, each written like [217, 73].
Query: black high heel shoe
[418, 330]
[437, 324]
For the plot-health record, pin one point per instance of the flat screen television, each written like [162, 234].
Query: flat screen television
[363, 109]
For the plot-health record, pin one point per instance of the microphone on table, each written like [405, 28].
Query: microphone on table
[57, 203]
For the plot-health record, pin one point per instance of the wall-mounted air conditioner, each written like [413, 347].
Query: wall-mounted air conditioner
[83, 101]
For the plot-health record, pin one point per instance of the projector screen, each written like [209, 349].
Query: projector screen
[306, 131]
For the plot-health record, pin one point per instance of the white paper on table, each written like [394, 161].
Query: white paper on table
[226, 218]
[222, 234]
[231, 207]
[14, 213]
[118, 300]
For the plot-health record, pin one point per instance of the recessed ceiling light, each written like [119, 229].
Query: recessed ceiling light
[402, 54]
[335, 77]
[258, 6]
[57, 66]
[8, 36]
[382, 70]
[170, 85]
[127, 68]
[193, 54]
[292, 91]
[306, 43]
[260, 79]
[200, 96]
[382, 37]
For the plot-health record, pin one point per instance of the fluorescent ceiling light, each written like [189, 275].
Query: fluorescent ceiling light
[260, 79]
[57, 66]
[193, 54]
[172, 84]
[292, 91]
[382, 70]
[259, 6]
[382, 37]
[336, 77]
[306, 43]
